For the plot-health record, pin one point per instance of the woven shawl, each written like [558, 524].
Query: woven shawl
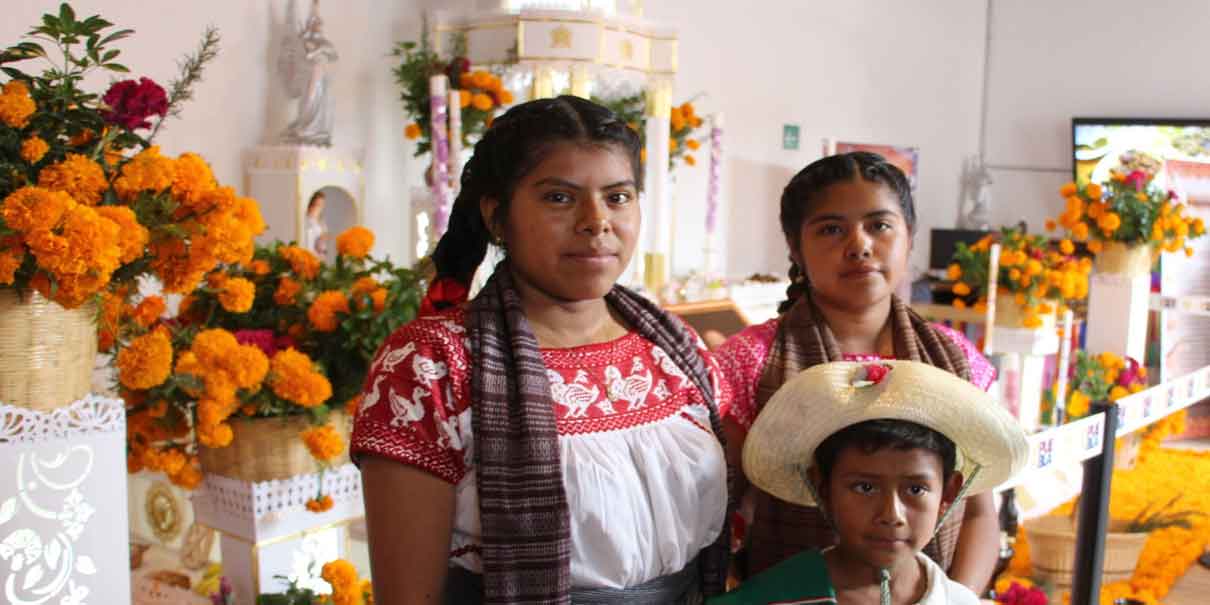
[525, 518]
[782, 529]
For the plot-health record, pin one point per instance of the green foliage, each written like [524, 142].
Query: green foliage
[1149, 520]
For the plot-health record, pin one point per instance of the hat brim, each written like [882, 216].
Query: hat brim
[821, 400]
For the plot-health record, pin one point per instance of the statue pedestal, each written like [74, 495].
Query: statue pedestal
[265, 529]
[283, 178]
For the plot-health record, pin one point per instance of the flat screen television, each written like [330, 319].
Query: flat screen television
[1181, 147]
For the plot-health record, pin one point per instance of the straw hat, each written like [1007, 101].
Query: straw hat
[826, 398]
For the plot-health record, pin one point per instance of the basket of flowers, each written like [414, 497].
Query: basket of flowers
[260, 371]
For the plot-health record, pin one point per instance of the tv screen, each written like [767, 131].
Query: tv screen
[1178, 150]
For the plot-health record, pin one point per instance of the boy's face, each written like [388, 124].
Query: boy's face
[886, 503]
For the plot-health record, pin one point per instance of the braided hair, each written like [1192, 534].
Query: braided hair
[806, 186]
[514, 145]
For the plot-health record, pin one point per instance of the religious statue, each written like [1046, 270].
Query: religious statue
[304, 67]
[977, 198]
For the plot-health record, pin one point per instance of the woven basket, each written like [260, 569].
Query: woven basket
[1052, 550]
[47, 352]
[268, 449]
[1120, 259]
[1009, 315]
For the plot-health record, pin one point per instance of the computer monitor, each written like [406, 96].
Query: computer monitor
[943, 241]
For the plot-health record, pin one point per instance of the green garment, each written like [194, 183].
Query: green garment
[799, 580]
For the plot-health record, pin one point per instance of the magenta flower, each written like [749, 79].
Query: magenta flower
[131, 103]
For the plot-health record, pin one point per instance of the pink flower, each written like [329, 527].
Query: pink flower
[261, 339]
[1020, 595]
[131, 103]
[1138, 178]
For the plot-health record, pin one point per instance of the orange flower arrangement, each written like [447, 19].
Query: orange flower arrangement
[273, 335]
[683, 124]
[87, 202]
[355, 242]
[1128, 209]
[1033, 274]
[1157, 479]
[347, 588]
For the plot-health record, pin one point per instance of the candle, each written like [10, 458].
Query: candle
[1060, 407]
[544, 83]
[455, 160]
[581, 84]
[993, 272]
[715, 175]
[438, 87]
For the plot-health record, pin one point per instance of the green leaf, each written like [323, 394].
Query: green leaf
[67, 15]
[109, 55]
[115, 36]
[116, 67]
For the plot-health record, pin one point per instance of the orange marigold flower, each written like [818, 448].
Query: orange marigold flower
[322, 313]
[302, 261]
[146, 362]
[352, 405]
[1080, 232]
[363, 286]
[146, 171]
[247, 211]
[961, 289]
[215, 436]
[692, 144]
[953, 272]
[10, 261]
[340, 574]
[1051, 225]
[481, 102]
[237, 295]
[319, 505]
[412, 131]
[248, 367]
[77, 176]
[259, 267]
[293, 377]
[1093, 191]
[16, 106]
[1095, 246]
[287, 291]
[1066, 247]
[1109, 222]
[193, 181]
[189, 477]
[464, 101]
[355, 242]
[1067, 190]
[149, 311]
[133, 236]
[690, 160]
[959, 303]
[33, 148]
[379, 299]
[506, 97]
[323, 442]
[34, 208]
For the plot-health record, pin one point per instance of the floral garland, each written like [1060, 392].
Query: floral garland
[1159, 476]
[683, 125]
[284, 334]
[481, 93]
[1129, 209]
[1037, 276]
[87, 203]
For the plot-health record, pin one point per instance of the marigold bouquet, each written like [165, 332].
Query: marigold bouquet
[284, 334]
[86, 201]
[1103, 377]
[481, 92]
[682, 133]
[1034, 272]
[1129, 209]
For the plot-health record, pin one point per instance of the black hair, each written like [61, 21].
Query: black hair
[806, 186]
[874, 435]
[514, 144]
[319, 193]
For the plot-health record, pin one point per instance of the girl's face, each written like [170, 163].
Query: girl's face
[573, 222]
[854, 244]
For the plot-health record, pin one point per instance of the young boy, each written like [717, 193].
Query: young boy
[885, 448]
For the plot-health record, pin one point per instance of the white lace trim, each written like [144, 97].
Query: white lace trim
[255, 500]
[94, 414]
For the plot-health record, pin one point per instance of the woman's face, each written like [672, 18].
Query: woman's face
[573, 222]
[854, 244]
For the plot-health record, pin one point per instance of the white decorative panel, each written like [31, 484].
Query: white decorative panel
[63, 528]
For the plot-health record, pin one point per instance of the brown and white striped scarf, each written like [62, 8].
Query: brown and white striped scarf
[781, 529]
[526, 530]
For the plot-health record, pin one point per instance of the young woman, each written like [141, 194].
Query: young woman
[555, 439]
[848, 220]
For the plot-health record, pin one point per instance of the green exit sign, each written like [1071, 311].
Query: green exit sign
[789, 136]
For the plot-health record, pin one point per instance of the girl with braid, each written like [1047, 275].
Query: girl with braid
[555, 439]
[848, 221]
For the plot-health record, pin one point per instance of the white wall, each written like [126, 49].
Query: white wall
[240, 103]
[878, 71]
[1050, 61]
